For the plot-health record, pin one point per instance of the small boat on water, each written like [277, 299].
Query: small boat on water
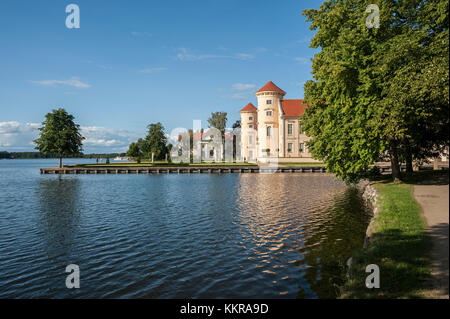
[121, 159]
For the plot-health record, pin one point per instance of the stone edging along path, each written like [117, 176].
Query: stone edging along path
[370, 197]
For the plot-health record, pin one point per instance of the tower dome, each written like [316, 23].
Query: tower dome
[271, 87]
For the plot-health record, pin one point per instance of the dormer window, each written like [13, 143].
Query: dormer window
[269, 101]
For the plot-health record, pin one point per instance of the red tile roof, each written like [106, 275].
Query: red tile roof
[249, 108]
[270, 86]
[293, 107]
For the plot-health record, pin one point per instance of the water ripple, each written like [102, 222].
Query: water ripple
[175, 236]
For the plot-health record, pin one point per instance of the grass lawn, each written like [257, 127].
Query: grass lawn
[399, 244]
[301, 164]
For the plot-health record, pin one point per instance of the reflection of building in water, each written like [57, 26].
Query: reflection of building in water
[273, 130]
[300, 229]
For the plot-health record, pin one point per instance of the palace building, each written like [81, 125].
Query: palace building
[272, 130]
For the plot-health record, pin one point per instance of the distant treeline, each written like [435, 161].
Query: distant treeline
[25, 155]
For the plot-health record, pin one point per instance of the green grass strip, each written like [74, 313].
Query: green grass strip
[398, 245]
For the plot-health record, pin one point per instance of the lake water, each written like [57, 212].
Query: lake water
[175, 236]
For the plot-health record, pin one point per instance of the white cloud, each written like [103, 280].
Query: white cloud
[243, 87]
[186, 55]
[240, 91]
[239, 96]
[73, 82]
[151, 70]
[243, 56]
[304, 40]
[261, 50]
[14, 127]
[101, 66]
[16, 136]
[140, 34]
[106, 139]
[302, 60]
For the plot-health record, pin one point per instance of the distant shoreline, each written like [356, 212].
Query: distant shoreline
[38, 155]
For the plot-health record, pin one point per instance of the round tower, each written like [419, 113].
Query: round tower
[269, 114]
[249, 123]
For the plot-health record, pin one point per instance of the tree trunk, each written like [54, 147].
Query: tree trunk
[409, 160]
[394, 162]
[60, 162]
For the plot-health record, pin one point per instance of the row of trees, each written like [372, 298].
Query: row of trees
[154, 143]
[380, 91]
[60, 136]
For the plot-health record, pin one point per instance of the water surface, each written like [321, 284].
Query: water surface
[175, 236]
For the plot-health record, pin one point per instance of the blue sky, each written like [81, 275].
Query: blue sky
[132, 63]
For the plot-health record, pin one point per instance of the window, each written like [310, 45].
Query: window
[289, 147]
[250, 126]
[250, 118]
[269, 113]
[269, 131]
[300, 131]
[269, 101]
[302, 147]
[290, 129]
[250, 139]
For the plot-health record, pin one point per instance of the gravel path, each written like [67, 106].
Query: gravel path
[434, 200]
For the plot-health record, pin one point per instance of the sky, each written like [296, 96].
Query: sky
[132, 63]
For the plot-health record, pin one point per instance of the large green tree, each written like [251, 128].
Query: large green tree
[59, 135]
[413, 110]
[362, 104]
[156, 141]
[218, 120]
[135, 152]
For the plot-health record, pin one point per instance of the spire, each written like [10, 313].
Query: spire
[249, 108]
[270, 86]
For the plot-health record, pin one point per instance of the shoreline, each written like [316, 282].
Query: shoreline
[397, 241]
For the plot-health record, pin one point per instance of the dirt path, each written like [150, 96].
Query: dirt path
[434, 200]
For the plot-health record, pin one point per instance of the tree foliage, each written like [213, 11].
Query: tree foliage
[379, 90]
[59, 135]
[156, 141]
[135, 152]
[218, 120]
